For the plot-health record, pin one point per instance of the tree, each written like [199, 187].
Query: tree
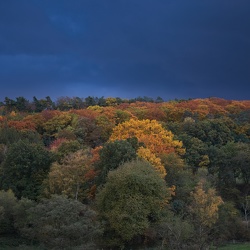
[22, 104]
[196, 151]
[10, 104]
[78, 103]
[174, 232]
[90, 101]
[245, 204]
[3, 151]
[204, 210]
[7, 203]
[42, 104]
[88, 132]
[65, 148]
[231, 163]
[211, 131]
[159, 99]
[57, 123]
[112, 155]
[24, 169]
[147, 155]
[151, 133]
[229, 226]
[48, 223]
[68, 177]
[106, 126]
[121, 116]
[153, 136]
[182, 178]
[64, 103]
[130, 201]
[21, 216]
[111, 101]
[9, 136]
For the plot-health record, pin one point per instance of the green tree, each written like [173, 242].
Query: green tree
[11, 135]
[61, 223]
[42, 104]
[66, 148]
[22, 104]
[121, 116]
[229, 225]
[64, 103]
[210, 131]
[196, 151]
[10, 104]
[21, 217]
[112, 155]
[182, 178]
[24, 169]
[3, 151]
[130, 201]
[7, 204]
[90, 101]
[231, 164]
[57, 123]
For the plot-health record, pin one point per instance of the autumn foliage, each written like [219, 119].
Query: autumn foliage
[150, 133]
[173, 174]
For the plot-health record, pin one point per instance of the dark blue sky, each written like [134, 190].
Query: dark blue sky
[125, 48]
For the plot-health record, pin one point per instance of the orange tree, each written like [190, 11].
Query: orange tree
[157, 140]
[149, 132]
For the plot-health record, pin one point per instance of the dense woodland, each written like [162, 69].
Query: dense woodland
[110, 173]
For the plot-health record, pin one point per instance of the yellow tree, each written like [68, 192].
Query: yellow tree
[111, 101]
[204, 210]
[155, 161]
[151, 133]
[59, 122]
[157, 140]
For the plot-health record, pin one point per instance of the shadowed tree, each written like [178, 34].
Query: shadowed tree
[112, 155]
[24, 169]
[204, 210]
[130, 201]
[7, 204]
[68, 176]
[61, 223]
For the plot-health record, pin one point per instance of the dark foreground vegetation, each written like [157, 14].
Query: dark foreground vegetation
[108, 173]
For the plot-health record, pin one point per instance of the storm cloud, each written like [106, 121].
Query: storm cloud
[125, 48]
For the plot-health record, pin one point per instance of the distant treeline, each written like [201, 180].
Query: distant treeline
[66, 103]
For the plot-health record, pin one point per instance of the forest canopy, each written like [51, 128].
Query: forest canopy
[114, 173]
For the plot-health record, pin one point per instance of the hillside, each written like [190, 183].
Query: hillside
[110, 172]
